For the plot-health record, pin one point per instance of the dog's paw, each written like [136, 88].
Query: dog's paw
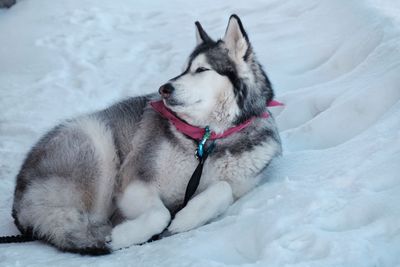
[203, 208]
[183, 221]
[121, 237]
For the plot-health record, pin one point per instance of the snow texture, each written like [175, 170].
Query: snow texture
[332, 199]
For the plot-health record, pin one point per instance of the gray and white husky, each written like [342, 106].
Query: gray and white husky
[111, 179]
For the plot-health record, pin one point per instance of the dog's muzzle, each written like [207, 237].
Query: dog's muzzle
[166, 90]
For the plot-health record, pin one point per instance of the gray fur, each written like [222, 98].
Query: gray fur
[72, 180]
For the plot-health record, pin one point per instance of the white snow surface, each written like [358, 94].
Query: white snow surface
[332, 199]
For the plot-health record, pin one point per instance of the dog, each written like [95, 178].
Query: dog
[117, 177]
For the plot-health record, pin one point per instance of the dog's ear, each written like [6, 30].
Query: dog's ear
[201, 35]
[236, 38]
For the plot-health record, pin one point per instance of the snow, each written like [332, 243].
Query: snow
[332, 199]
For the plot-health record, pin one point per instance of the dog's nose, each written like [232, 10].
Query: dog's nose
[166, 90]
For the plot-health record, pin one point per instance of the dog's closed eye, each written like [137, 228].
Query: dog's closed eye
[201, 69]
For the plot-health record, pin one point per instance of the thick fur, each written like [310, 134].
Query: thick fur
[111, 179]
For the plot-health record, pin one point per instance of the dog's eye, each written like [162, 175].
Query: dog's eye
[201, 69]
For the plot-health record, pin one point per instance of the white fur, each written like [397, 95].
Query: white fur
[137, 198]
[199, 40]
[235, 41]
[205, 97]
[146, 216]
[241, 172]
[44, 208]
[202, 208]
[102, 140]
[167, 181]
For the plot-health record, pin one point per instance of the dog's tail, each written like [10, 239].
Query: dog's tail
[16, 239]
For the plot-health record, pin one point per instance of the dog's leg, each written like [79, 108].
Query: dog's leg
[203, 207]
[146, 214]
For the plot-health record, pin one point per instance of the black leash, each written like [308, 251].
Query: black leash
[196, 176]
[201, 155]
[15, 239]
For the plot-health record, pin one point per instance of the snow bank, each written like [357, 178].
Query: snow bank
[332, 199]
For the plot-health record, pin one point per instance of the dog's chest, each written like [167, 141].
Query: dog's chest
[175, 166]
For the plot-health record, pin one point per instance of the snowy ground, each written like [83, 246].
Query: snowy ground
[332, 199]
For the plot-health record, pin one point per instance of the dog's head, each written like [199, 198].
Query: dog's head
[222, 84]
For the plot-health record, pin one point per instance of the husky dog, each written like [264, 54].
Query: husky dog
[131, 161]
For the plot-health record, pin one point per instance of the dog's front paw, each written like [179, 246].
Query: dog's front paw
[119, 239]
[183, 221]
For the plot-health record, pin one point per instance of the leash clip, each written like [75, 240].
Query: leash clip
[201, 155]
[200, 148]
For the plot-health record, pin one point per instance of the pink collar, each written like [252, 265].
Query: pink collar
[198, 133]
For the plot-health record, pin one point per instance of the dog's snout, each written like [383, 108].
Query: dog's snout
[166, 90]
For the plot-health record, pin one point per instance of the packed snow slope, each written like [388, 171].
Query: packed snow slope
[332, 199]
